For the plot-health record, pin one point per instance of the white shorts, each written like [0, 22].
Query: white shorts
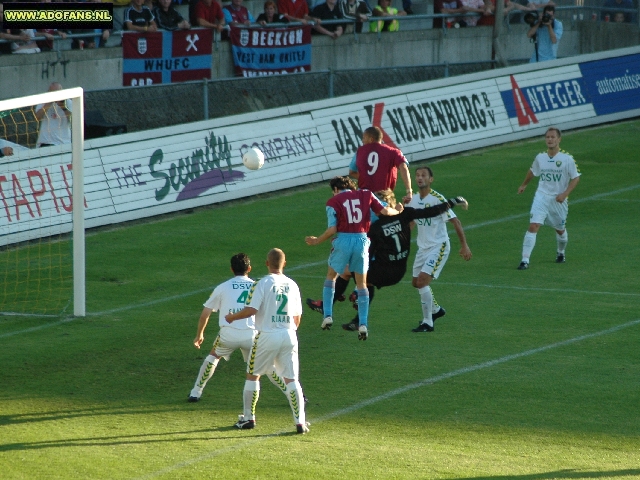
[231, 339]
[546, 211]
[432, 260]
[279, 349]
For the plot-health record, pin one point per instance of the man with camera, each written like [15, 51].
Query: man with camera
[545, 33]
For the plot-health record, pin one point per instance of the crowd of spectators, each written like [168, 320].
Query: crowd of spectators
[154, 15]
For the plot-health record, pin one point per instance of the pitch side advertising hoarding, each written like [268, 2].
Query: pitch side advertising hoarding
[159, 171]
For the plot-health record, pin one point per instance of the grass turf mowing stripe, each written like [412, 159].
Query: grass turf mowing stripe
[394, 393]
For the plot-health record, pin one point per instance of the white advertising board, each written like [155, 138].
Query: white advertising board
[148, 173]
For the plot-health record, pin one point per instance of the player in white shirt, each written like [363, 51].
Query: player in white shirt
[275, 301]
[228, 297]
[559, 175]
[433, 247]
[54, 117]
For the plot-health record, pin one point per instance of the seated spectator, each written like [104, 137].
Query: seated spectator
[472, 6]
[615, 5]
[237, 14]
[139, 18]
[168, 18]
[489, 16]
[328, 11]
[14, 37]
[294, 10]
[27, 44]
[271, 14]
[355, 10]
[384, 9]
[208, 13]
[447, 6]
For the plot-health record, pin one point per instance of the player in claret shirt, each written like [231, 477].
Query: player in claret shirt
[349, 216]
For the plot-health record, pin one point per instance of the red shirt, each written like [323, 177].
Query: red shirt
[297, 9]
[212, 14]
[353, 210]
[377, 166]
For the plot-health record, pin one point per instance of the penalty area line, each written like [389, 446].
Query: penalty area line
[390, 394]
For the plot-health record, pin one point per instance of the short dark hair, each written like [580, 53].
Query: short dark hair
[549, 8]
[428, 169]
[240, 263]
[375, 133]
[342, 183]
[555, 129]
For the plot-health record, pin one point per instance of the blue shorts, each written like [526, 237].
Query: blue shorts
[350, 249]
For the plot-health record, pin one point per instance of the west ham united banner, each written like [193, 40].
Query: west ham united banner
[271, 51]
[166, 57]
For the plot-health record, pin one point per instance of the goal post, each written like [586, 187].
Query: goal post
[25, 162]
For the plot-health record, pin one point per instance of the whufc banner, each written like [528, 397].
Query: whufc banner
[166, 57]
[271, 51]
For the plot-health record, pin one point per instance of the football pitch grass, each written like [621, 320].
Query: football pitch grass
[530, 375]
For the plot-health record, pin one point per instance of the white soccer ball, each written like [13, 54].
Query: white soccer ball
[253, 159]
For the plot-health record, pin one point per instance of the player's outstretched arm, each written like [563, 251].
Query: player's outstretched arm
[246, 312]
[458, 201]
[202, 324]
[328, 233]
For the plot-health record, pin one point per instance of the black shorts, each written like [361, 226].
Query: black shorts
[385, 274]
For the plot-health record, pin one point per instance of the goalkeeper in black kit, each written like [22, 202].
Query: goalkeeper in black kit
[390, 246]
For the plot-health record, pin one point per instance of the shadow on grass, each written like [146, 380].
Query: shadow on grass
[561, 474]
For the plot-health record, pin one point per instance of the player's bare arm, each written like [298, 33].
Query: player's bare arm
[328, 233]
[246, 312]
[406, 179]
[526, 181]
[563, 196]
[354, 174]
[465, 252]
[202, 324]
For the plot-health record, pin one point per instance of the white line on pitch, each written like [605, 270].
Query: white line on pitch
[393, 393]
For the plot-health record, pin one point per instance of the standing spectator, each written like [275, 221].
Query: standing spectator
[546, 34]
[446, 6]
[295, 10]
[271, 14]
[228, 297]
[208, 14]
[275, 301]
[139, 18]
[355, 10]
[613, 5]
[237, 14]
[559, 175]
[384, 9]
[14, 37]
[433, 246]
[348, 215]
[328, 11]
[55, 128]
[168, 18]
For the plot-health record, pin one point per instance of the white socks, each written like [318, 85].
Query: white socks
[527, 246]
[562, 241]
[296, 400]
[250, 398]
[206, 372]
[426, 299]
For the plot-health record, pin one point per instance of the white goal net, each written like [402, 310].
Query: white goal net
[41, 180]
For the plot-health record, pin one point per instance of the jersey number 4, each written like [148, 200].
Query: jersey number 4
[354, 212]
